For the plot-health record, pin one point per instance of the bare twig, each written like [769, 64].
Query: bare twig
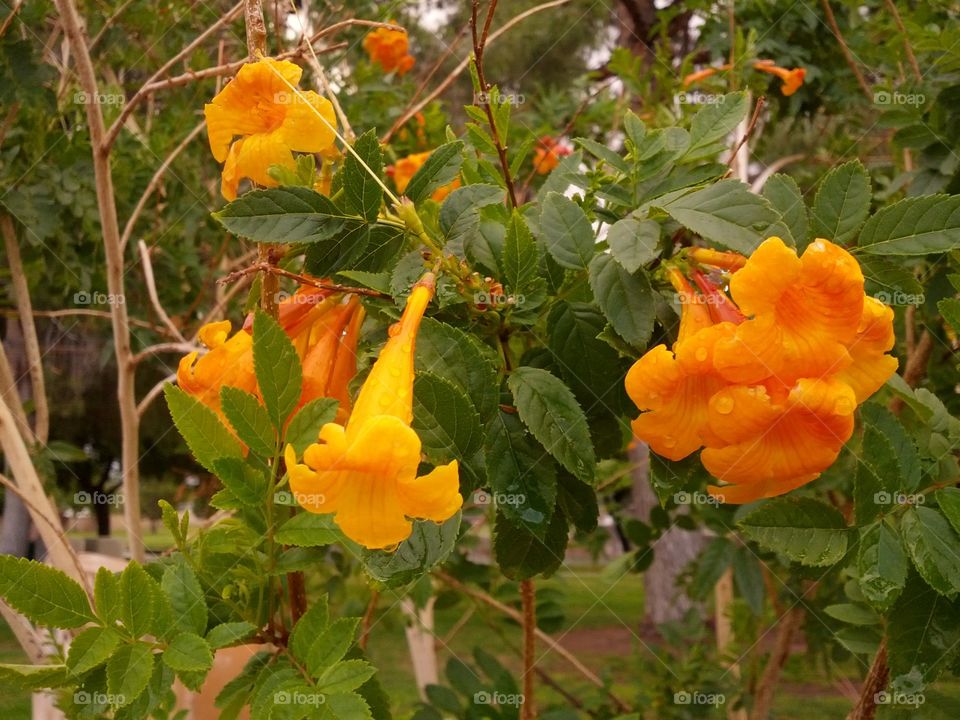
[152, 292]
[848, 56]
[154, 394]
[108, 23]
[159, 348]
[9, 18]
[301, 279]
[367, 621]
[776, 166]
[528, 600]
[875, 682]
[754, 119]
[917, 75]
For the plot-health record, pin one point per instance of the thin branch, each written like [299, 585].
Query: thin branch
[80, 312]
[848, 56]
[155, 183]
[754, 119]
[528, 600]
[776, 166]
[159, 348]
[875, 682]
[154, 394]
[917, 75]
[108, 23]
[31, 344]
[301, 279]
[152, 292]
[765, 692]
[8, 393]
[367, 621]
[9, 18]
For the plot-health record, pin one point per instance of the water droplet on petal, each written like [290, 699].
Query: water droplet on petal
[669, 441]
[384, 401]
[653, 396]
[393, 330]
[701, 354]
[724, 404]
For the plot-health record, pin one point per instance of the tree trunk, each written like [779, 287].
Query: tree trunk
[15, 535]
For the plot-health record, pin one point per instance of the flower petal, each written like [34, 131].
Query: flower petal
[434, 496]
[871, 368]
[303, 129]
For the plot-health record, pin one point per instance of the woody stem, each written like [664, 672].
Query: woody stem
[528, 597]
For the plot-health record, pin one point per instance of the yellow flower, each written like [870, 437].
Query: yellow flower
[366, 471]
[389, 49]
[792, 79]
[871, 366]
[228, 363]
[257, 120]
[405, 168]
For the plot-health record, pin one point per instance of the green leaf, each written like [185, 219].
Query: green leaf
[520, 260]
[604, 153]
[308, 530]
[348, 705]
[362, 193]
[889, 279]
[345, 676]
[915, 226]
[877, 479]
[331, 645]
[249, 420]
[440, 169]
[713, 123]
[429, 544]
[934, 547]
[842, 203]
[460, 212]
[882, 564]
[207, 438]
[277, 366]
[522, 480]
[634, 243]
[34, 677]
[137, 590]
[91, 648]
[549, 409]
[578, 501]
[340, 252]
[712, 563]
[283, 215]
[106, 596]
[726, 213]
[625, 298]
[189, 607]
[188, 653]
[304, 427]
[44, 595]
[444, 418]
[784, 195]
[129, 671]
[949, 501]
[245, 482]
[748, 579]
[852, 614]
[229, 633]
[924, 637]
[566, 231]
[950, 310]
[309, 627]
[802, 529]
[521, 554]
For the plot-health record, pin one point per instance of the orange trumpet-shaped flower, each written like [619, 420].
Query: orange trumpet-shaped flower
[547, 154]
[676, 387]
[699, 75]
[389, 49]
[871, 365]
[366, 471]
[228, 364]
[257, 120]
[792, 79]
[404, 169]
[805, 313]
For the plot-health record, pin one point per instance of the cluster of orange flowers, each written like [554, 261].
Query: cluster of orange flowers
[390, 49]
[792, 79]
[768, 382]
[547, 154]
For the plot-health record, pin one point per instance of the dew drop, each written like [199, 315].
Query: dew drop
[653, 396]
[394, 330]
[669, 441]
[724, 405]
[701, 354]
[384, 401]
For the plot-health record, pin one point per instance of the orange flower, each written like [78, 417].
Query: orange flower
[389, 49]
[547, 154]
[699, 75]
[405, 168]
[257, 120]
[768, 386]
[792, 79]
[229, 363]
[366, 471]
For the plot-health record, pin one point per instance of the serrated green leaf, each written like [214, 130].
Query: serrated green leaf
[602, 152]
[924, 638]
[345, 676]
[207, 438]
[304, 427]
[520, 260]
[229, 633]
[625, 298]
[852, 614]
[349, 705]
[784, 195]
[331, 644]
[137, 590]
[709, 566]
[283, 215]
[802, 529]
[129, 671]
[277, 366]
[429, 544]
[634, 243]
[188, 653]
[106, 596]
[444, 418]
[361, 191]
[249, 420]
[245, 482]
[578, 500]
[34, 677]
[308, 530]
[934, 548]
[566, 231]
[43, 594]
[549, 409]
[186, 598]
[748, 579]
[521, 554]
[841, 204]
[714, 122]
[440, 169]
[882, 564]
[914, 226]
[950, 310]
[91, 648]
